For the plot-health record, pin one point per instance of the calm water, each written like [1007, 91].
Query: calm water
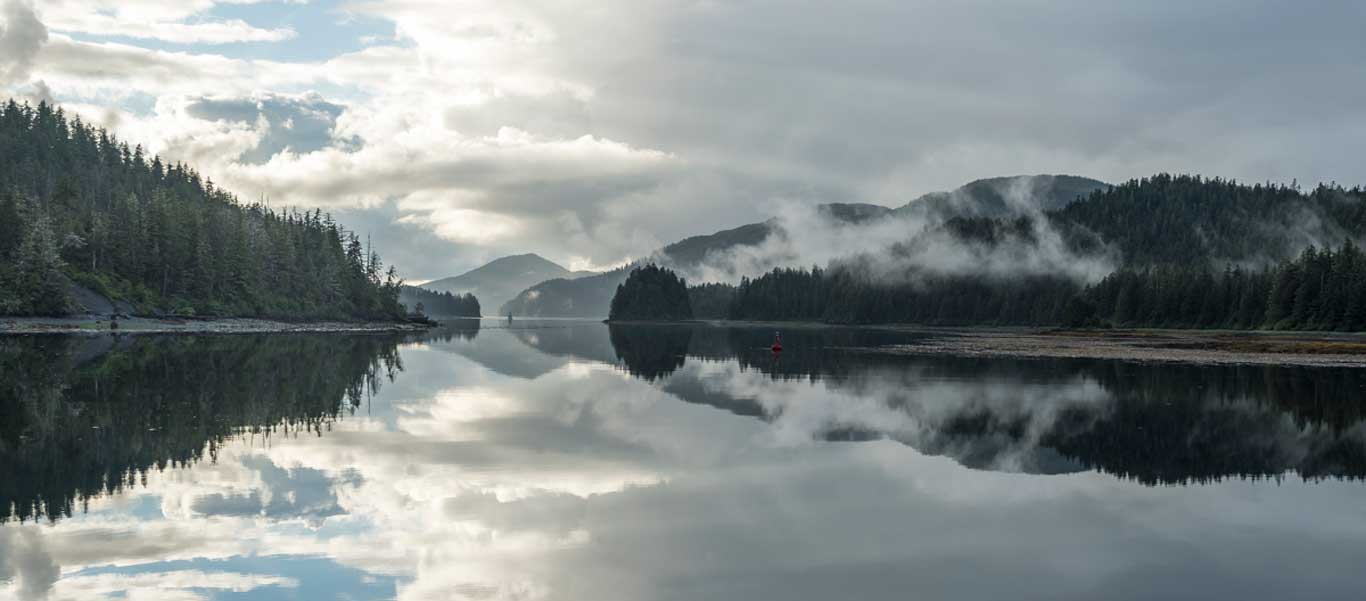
[567, 460]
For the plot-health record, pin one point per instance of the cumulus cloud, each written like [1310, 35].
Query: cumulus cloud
[21, 36]
[175, 585]
[494, 127]
[280, 493]
[297, 124]
[25, 561]
[114, 71]
[182, 22]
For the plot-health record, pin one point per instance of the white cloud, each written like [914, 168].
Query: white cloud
[174, 585]
[21, 36]
[596, 134]
[25, 563]
[180, 22]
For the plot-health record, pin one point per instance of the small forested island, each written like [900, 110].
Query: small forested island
[651, 293]
[82, 211]
[431, 303]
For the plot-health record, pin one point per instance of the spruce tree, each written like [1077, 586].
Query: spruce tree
[40, 283]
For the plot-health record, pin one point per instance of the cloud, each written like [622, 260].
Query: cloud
[458, 482]
[115, 71]
[25, 560]
[175, 585]
[281, 494]
[21, 36]
[182, 22]
[495, 127]
[905, 248]
[297, 124]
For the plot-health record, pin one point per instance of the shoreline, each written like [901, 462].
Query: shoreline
[1155, 345]
[93, 325]
[1190, 347]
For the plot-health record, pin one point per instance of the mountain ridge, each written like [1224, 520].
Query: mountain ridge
[987, 197]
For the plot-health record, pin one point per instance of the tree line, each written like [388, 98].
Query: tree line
[77, 204]
[1318, 290]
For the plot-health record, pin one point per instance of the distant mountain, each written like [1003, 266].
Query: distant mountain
[501, 279]
[994, 197]
[591, 296]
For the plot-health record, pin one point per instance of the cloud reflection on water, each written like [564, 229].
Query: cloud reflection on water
[581, 481]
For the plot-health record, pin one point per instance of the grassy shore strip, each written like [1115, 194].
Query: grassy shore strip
[1331, 343]
[1305, 349]
[1345, 349]
[143, 325]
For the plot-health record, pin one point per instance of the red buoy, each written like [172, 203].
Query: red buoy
[777, 343]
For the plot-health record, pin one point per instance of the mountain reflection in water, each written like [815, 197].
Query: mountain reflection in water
[1155, 423]
[554, 459]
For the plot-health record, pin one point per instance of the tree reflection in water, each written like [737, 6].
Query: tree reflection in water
[84, 416]
[1153, 423]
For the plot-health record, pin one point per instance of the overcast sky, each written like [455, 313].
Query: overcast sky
[591, 132]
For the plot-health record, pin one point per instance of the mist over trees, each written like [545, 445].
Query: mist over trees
[1319, 290]
[651, 293]
[78, 204]
[1191, 253]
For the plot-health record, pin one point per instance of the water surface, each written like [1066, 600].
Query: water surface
[570, 460]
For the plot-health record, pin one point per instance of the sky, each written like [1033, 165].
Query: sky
[455, 132]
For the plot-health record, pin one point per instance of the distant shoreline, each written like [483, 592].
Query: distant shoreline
[1197, 347]
[100, 324]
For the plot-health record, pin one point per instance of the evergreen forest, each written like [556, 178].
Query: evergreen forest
[78, 206]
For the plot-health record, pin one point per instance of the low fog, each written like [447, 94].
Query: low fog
[909, 243]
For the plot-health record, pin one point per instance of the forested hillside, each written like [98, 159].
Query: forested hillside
[1001, 197]
[77, 204]
[1190, 252]
[1170, 219]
